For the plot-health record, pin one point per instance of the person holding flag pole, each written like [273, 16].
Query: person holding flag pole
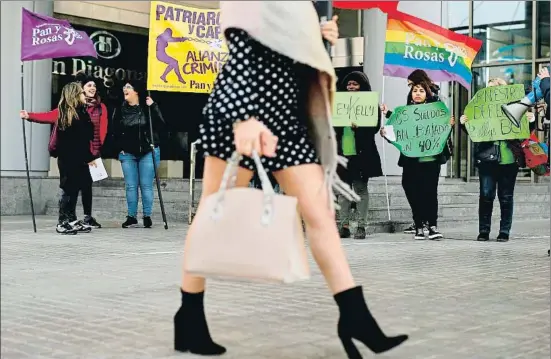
[44, 37]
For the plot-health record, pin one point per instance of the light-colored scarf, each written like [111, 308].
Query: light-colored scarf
[292, 29]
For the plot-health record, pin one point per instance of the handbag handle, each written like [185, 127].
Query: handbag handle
[229, 179]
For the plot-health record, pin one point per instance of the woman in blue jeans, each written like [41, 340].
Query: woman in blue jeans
[132, 138]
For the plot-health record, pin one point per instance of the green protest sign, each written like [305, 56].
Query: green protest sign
[419, 130]
[486, 120]
[360, 108]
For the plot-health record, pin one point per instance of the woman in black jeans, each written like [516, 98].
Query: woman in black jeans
[420, 175]
[75, 131]
[498, 163]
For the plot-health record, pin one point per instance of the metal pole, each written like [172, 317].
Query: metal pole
[157, 180]
[193, 154]
[25, 150]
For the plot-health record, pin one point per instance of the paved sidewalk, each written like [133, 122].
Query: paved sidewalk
[112, 294]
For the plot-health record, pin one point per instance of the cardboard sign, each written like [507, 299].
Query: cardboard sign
[486, 120]
[420, 130]
[360, 108]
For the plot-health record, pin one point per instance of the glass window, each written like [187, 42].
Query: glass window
[543, 29]
[505, 27]
[514, 74]
[458, 16]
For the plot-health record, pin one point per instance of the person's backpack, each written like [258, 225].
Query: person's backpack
[537, 155]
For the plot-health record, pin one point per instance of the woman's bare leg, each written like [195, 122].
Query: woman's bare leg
[212, 176]
[306, 183]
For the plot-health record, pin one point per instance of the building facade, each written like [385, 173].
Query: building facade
[515, 38]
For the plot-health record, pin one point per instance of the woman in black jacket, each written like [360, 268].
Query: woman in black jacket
[132, 141]
[357, 144]
[420, 175]
[75, 132]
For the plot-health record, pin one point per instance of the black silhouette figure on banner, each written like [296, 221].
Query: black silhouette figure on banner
[171, 63]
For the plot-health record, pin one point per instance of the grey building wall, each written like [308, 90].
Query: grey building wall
[37, 93]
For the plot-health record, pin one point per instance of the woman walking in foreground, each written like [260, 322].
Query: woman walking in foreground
[274, 91]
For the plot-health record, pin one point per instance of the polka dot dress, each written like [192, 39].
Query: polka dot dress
[258, 82]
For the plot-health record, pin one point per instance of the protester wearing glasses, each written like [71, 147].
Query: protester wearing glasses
[132, 141]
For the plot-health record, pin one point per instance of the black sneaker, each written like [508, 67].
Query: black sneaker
[65, 228]
[81, 227]
[130, 222]
[344, 232]
[147, 223]
[434, 234]
[410, 229]
[483, 237]
[419, 234]
[360, 233]
[502, 237]
[91, 221]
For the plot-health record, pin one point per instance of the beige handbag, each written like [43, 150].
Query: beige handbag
[247, 233]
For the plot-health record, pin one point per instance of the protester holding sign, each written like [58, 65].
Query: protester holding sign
[498, 164]
[357, 144]
[98, 114]
[416, 77]
[132, 141]
[421, 173]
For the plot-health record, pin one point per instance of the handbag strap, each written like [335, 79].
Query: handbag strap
[229, 179]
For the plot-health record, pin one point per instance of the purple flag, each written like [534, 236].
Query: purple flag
[43, 37]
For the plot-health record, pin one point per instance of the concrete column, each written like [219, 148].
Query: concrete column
[37, 95]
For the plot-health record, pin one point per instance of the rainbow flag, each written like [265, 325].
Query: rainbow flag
[412, 43]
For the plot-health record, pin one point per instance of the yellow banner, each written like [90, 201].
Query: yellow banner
[186, 48]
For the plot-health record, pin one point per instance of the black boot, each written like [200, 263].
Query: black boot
[356, 322]
[191, 332]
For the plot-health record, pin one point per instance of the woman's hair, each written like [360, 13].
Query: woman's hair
[418, 76]
[497, 81]
[68, 104]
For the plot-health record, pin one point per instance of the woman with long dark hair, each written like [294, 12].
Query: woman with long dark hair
[421, 175]
[132, 142]
[273, 96]
[74, 132]
[98, 115]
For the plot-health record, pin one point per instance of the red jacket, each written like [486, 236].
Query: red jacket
[100, 124]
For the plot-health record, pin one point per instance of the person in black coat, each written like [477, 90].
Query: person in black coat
[357, 144]
[131, 139]
[75, 133]
[421, 175]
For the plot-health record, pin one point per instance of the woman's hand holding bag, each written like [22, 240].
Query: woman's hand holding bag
[247, 233]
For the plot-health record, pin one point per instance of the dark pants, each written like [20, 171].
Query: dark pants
[72, 180]
[501, 178]
[420, 183]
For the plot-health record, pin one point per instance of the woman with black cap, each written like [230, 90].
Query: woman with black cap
[98, 114]
[132, 141]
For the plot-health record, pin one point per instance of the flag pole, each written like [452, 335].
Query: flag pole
[25, 149]
[157, 180]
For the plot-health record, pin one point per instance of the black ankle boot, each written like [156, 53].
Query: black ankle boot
[356, 322]
[191, 332]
